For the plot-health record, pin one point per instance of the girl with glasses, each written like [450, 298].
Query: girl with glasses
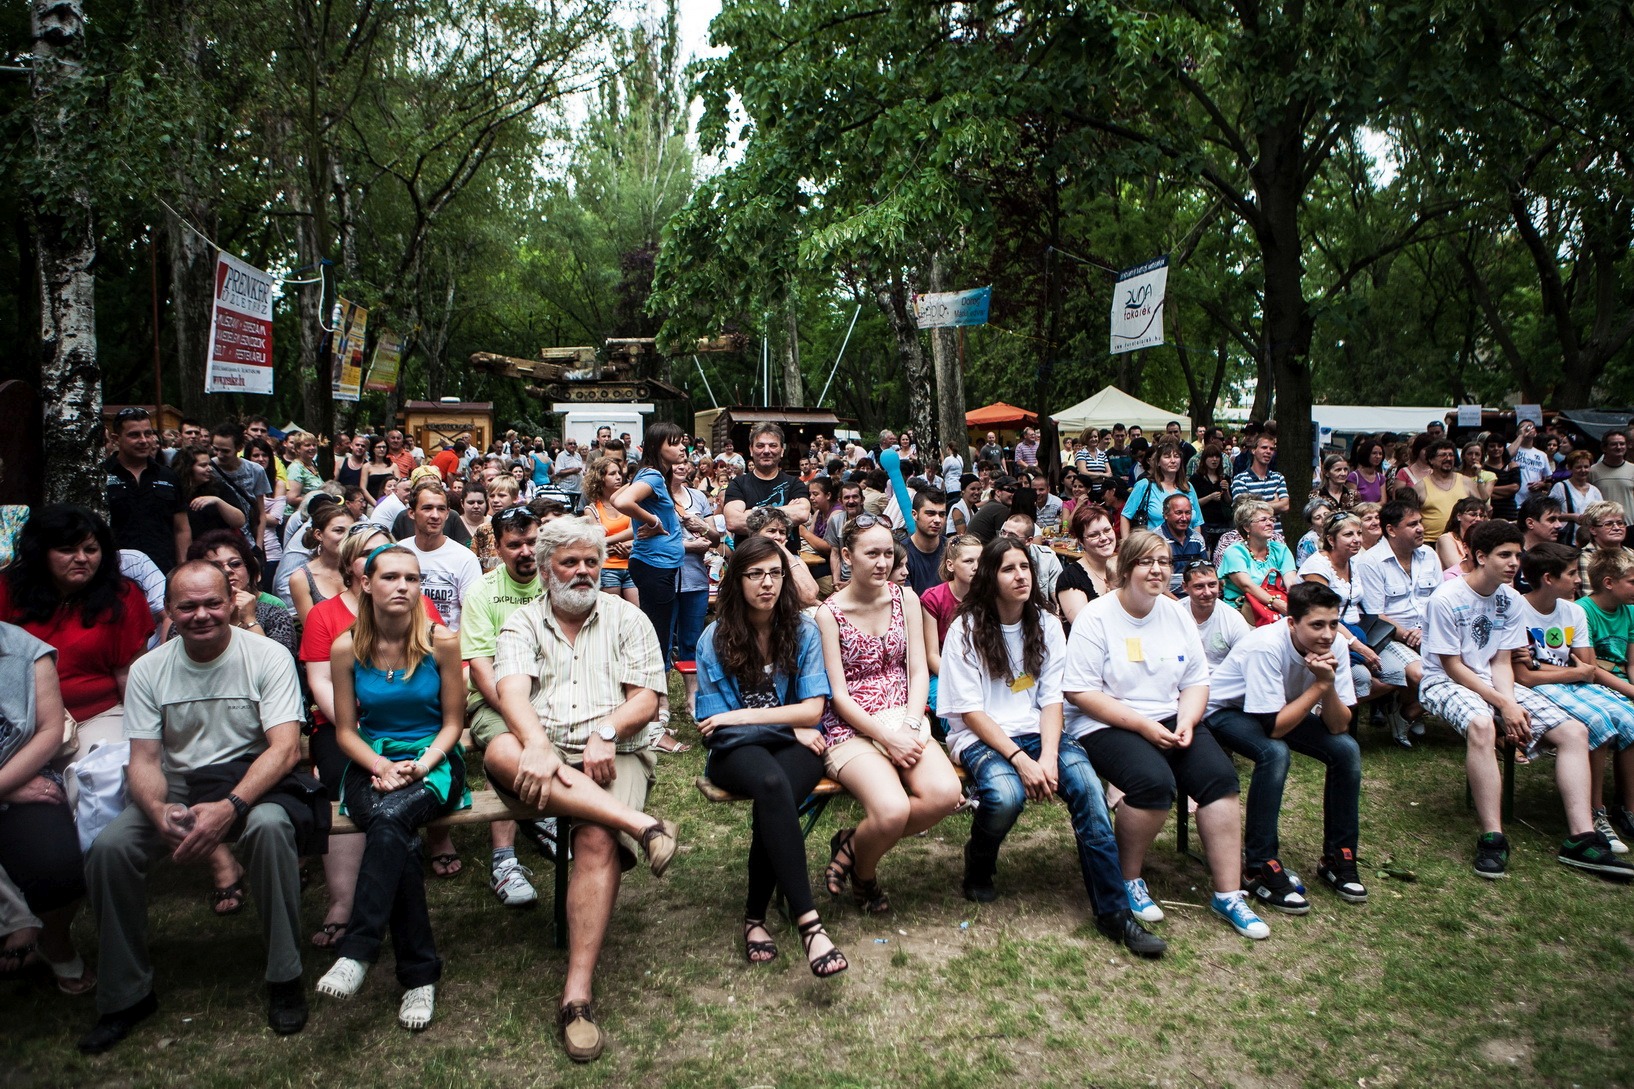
[762, 687]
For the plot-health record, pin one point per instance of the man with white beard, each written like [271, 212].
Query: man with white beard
[579, 675]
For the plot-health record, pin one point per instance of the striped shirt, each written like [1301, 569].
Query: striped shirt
[577, 685]
[1272, 488]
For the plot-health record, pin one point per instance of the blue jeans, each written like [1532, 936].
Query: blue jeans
[1244, 735]
[998, 785]
[691, 607]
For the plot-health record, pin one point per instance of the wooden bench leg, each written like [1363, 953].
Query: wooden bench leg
[1509, 784]
[560, 907]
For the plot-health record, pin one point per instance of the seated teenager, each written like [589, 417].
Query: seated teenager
[879, 743]
[1286, 688]
[1332, 566]
[1137, 685]
[762, 686]
[399, 702]
[1219, 627]
[1001, 694]
[1471, 625]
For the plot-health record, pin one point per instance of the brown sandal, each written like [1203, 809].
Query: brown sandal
[838, 874]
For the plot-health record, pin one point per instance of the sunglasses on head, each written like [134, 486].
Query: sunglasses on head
[130, 412]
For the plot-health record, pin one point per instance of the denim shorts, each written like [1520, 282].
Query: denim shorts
[615, 578]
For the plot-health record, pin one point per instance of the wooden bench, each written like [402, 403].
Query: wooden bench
[810, 809]
[488, 806]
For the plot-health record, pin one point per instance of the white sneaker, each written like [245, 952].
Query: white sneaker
[510, 883]
[1603, 825]
[1141, 904]
[344, 979]
[417, 1007]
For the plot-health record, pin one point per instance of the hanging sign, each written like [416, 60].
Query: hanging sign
[351, 323]
[1529, 412]
[947, 309]
[1137, 306]
[388, 357]
[240, 359]
[1469, 415]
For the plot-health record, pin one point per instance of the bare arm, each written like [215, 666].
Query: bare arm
[627, 500]
[323, 692]
[1531, 675]
[26, 763]
[933, 644]
[737, 513]
[805, 583]
[182, 530]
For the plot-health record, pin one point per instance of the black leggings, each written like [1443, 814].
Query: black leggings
[39, 850]
[778, 777]
[1148, 775]
[658, 587]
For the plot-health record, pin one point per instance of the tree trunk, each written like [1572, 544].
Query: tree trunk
[192, 287]
[65, 248]
[950, 383]
[893, 299]
[794, 386]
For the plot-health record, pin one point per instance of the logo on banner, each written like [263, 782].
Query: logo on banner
[948, 309]
[240, 359]
[1137, 306]
[383, 368]
[351, 323]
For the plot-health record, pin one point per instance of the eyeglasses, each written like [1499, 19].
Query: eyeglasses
[1195, 565]
[863, 521]
[362, 527]
[1610, 523]
[130, 412]
[1154, 561]
[515, 514]
[1097, 534]
[764, 574]
[230, 565]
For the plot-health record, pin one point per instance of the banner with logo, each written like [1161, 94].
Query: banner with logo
[1137, 306]
[947, 309]
[383, 367]
[351, 323]
[240, 359]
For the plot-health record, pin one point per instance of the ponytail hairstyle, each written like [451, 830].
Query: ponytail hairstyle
[950, 553]
[366, 629]
[326, 513]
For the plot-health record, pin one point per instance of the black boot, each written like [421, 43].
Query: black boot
[980, 864]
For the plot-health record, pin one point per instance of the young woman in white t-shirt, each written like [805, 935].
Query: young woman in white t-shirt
[1001, 694]
[1137, 686]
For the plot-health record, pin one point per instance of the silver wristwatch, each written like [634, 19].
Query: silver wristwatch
[607, 733]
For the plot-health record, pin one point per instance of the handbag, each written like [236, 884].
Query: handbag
[1258, 614]
[1138, 520]
[902, 718]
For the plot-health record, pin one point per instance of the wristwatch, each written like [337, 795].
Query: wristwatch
[240, 806]
[607, 733]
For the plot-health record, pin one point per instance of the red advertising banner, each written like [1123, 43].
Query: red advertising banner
[240, 329]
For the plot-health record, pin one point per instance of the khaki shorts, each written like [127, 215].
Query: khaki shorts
[633, 776]
[838, 756]
[486, 724]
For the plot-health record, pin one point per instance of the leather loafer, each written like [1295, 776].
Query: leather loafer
[582, 1038]
[1122, 926]
[286, 1007]
[111, 1028]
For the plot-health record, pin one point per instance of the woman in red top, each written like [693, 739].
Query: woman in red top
[941, 601]
[66, 590]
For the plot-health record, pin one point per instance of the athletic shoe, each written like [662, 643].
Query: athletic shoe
[1603, 825]
[542, 834]
[1339, 874]
[1623, 821]
[1233, 908]
[1399, 728]
[1492, 855]
[1269, 884]
[1122, 926]
[419, 1003]
[344, 979]
[510, 883]
[1141, 903]
[1590, 851]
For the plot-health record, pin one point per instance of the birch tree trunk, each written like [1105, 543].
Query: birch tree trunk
[794, 386]
[950, 384]
[65, 247]
[892, 297]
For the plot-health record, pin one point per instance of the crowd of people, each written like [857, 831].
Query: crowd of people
[247, 639]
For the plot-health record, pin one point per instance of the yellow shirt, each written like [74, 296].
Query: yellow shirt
[1438, 503]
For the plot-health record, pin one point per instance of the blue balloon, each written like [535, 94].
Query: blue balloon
[891, 462]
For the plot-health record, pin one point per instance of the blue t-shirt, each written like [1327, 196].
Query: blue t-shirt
[541, 468]
[668, 550]
[718, 693]
[1147, 491]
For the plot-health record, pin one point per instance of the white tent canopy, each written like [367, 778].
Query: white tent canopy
[1401, 419]
[1113, 406]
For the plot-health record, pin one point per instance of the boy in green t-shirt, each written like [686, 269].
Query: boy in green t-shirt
[1609, 609]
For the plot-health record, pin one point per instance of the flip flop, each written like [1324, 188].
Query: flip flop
[233, 892]
[668, 742]
[451, 865]
[329, 935]
[13, 961]
[78, 980]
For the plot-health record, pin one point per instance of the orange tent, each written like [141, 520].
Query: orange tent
[1000, 414]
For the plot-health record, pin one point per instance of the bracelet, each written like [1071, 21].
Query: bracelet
[1011, 759]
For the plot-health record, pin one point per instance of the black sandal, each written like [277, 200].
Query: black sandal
[766, 949]
[233, 892]
[13, 961]
[831, 963]
[838, 874]
[869, 896]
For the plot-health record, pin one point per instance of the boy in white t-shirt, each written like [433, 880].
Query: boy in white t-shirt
[1284, 689]
[1559, 664]
[1471, 624]
[1220, 628]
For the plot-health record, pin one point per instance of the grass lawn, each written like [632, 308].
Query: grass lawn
[1449, 980]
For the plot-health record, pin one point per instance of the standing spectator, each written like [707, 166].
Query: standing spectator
[1166, 477]
[206, 494]
[1172, 433]
[1613, 474]
[1027, 449]
[380, 472]
[450, 461]
[992, 453]
[399, 701]
[1212, 489]
[65, 589]
[144, 498]
[699, 536]
[1481, 479]
[926, 542]
[1440, 490]
[302, 474]
[761, 694]
[1260, 480]
[351, 465]
[568, 472]
[1367, 477]
[1471, 625]
[953, 467]
[1049, 511]
[1092, 462]
[767, 484]
[273, 506]
[1136, 686]
[1535, 466]
[1576, 495]
[1506, 479]
[1334, 483]
[659, 550]
[604, 478]
[400, 454]
[1001, 693]
[246, 481]
[448, 570]
[733, 460]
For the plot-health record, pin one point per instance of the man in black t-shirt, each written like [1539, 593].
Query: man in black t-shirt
[766, 484]
[926, 542]
[145, 505]
[987, 521]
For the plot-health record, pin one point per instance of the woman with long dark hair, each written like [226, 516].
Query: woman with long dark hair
[1367, 474]
[379, 473]
[1165, 476]
[656, 556]
[65, 589]
[762, 686]
[1001, 694]
[208, 507]
[1212, 486]
[399, 701]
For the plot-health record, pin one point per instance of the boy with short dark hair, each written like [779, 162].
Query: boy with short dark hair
[1471, 625]
[1560, 664]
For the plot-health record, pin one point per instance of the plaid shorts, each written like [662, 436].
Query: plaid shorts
[1457, 706]
[1609, 717]
[1394, 658]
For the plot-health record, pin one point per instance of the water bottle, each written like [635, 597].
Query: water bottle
[180, 816]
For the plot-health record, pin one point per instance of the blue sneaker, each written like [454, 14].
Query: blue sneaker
[1141, 903]
[1233, 908]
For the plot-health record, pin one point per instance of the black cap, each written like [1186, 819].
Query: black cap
[1008, 483]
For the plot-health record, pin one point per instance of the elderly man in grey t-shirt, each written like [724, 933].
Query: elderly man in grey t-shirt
[215, 696]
